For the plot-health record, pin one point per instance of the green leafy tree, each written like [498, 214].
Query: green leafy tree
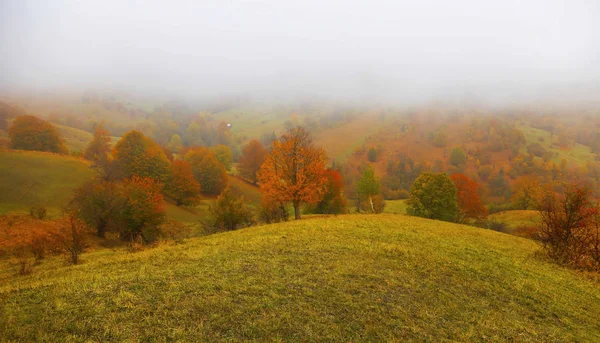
[175, 143]
[372, 154]
[139, 155]
[369, 186]
[458, 157]
[32, 133]
[223, 154]
[434, 196]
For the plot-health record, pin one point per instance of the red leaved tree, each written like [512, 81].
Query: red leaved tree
[294, 170]
[333, 201]
[469, 203]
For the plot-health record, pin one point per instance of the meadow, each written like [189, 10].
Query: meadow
[347, 278]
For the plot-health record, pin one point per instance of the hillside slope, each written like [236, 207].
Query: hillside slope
[29, 178]
[345, 278]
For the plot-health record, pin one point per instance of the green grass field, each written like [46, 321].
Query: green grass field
[348, 278]
[395, 206]
[39, 179]
[577, 153]
[514, 219]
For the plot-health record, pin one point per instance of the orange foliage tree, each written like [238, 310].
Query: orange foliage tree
[333, 201]
[32, 133]
[253, 156]
[138, 155]
[182, 186]
[143, 211]
[99, 148]
[209, 172]
[469, 203]
[70, 236]
[527, 192]
[294, 170]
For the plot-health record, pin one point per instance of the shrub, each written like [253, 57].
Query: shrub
[272, 212]
[228, 213]
[570, 228]
[37, 212]
[172, 230]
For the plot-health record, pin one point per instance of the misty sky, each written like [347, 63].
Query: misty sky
[370, 50]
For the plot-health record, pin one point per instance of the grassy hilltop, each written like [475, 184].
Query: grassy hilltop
[345, 278]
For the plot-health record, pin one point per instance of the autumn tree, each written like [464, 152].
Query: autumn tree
[433, 196]
[32, 133]
[294, 170]
[182, 186]
[333, 201]
[527, 192]
[223, 154]
[369, 186]
[99, 204]
[71, 236]
[209, 172]
[228, 213]
[175, 143]
[143, 211]
[253, 156]
[469, 203]
[139, 155]
[98, 149]
[570, 227]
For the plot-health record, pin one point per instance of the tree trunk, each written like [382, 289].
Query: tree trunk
[101, 229]
[371, 201]
[296, 210]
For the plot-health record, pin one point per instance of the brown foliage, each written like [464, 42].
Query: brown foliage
[32, 133]
[253, 156]
[271, 211]
[99, 148]
[70, 236]
[182, 186]
[143, 211]
[139, 155]
[208, 171]
[25, 240]
[570, 228]
[294, 171]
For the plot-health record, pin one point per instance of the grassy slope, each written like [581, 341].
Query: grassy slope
[577, 154]
[40, 179]
[349, 278]
[43, 179]
[76, 139]
[516, 218]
